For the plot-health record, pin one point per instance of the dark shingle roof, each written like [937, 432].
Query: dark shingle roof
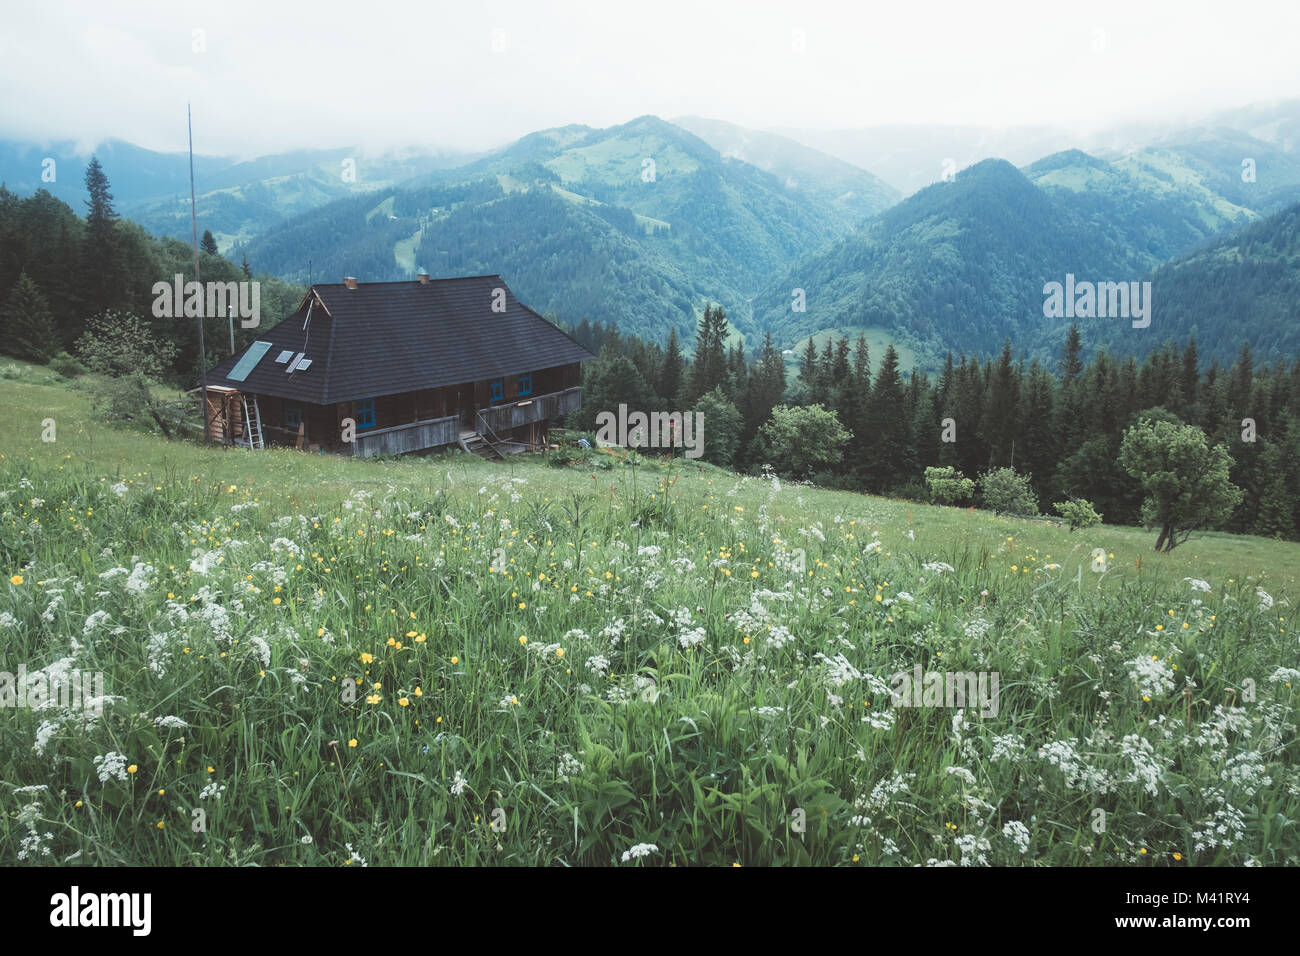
[384, 338]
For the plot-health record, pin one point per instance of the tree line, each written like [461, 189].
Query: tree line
[61, 273]
[844, 422]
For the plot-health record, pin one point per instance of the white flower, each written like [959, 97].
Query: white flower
[638, 851]
[1153, 676]
[973, 849]
[458, 784]
[118, 489]
[939, 567]
[1017, 833]
[111, 765]
[1265, 599]
[138, 581]
[93, 622]
[261, 649]
[1198, 585]
[354, 856]
[962, 772]
[1287, 675]
[213, 789]
[171, 723]
[570, 766]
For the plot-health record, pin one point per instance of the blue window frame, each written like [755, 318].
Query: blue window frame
[526, 384]
[498, 389]
[363, 410]
[292, 414]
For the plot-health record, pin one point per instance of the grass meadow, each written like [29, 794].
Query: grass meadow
[318, 661]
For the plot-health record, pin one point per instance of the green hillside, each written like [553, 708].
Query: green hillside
[646, 202]
[1244, 288]
[958, 266]
[666, 665]
[1151, 202]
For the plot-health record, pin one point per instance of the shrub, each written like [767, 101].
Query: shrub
[66, 365]
[1003, 491]
[947, 485]
[1078, 513]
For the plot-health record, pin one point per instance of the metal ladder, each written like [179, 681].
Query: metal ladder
[252, 424]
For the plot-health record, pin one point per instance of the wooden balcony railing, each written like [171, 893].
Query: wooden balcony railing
[502, 418]
[399, 439]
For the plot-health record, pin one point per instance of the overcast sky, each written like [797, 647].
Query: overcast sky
[270, 76]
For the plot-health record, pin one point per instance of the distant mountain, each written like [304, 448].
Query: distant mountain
[959, 265]
[562, 212]
[850, 187]
[135, 173]
[235, 199]
[1275, 122]
[1151, 203]
[1241, 288]
[1247, 171]
[911, 157]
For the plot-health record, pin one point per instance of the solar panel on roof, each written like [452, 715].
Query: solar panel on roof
[284, 356]
[250, 359]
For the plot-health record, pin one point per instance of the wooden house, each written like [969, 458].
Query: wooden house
[387, 368]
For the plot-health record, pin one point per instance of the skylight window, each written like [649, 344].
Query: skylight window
[294, 364]
[284, 356]
[304, 364]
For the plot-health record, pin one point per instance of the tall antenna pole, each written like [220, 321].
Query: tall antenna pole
[194, 225]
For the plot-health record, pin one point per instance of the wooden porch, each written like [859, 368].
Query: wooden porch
[497, 429]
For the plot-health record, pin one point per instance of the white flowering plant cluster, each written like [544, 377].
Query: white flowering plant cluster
[619, 670]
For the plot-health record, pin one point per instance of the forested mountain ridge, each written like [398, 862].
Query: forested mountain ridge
[1145, 200]
[959, 265]
[1237, 289]
[639, 224]
[850, 187]
[236, 199]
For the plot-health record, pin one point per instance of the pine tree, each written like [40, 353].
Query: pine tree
[27, 328]
[670, 373]
[102, 254]
[709, 368]
[1241, 379]
[1037, 451]
[208, 244]
[1190, 379]
[889, 439]
[1000, 420]
[1071, 364]
[808, 371]
[1276, 515]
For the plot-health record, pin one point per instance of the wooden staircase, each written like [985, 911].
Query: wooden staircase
[253, 437]
[476, 444]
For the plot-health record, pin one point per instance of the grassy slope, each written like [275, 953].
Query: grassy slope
[692, 766]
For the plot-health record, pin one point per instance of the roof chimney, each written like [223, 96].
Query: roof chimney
[423, 277]
[350, 282]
